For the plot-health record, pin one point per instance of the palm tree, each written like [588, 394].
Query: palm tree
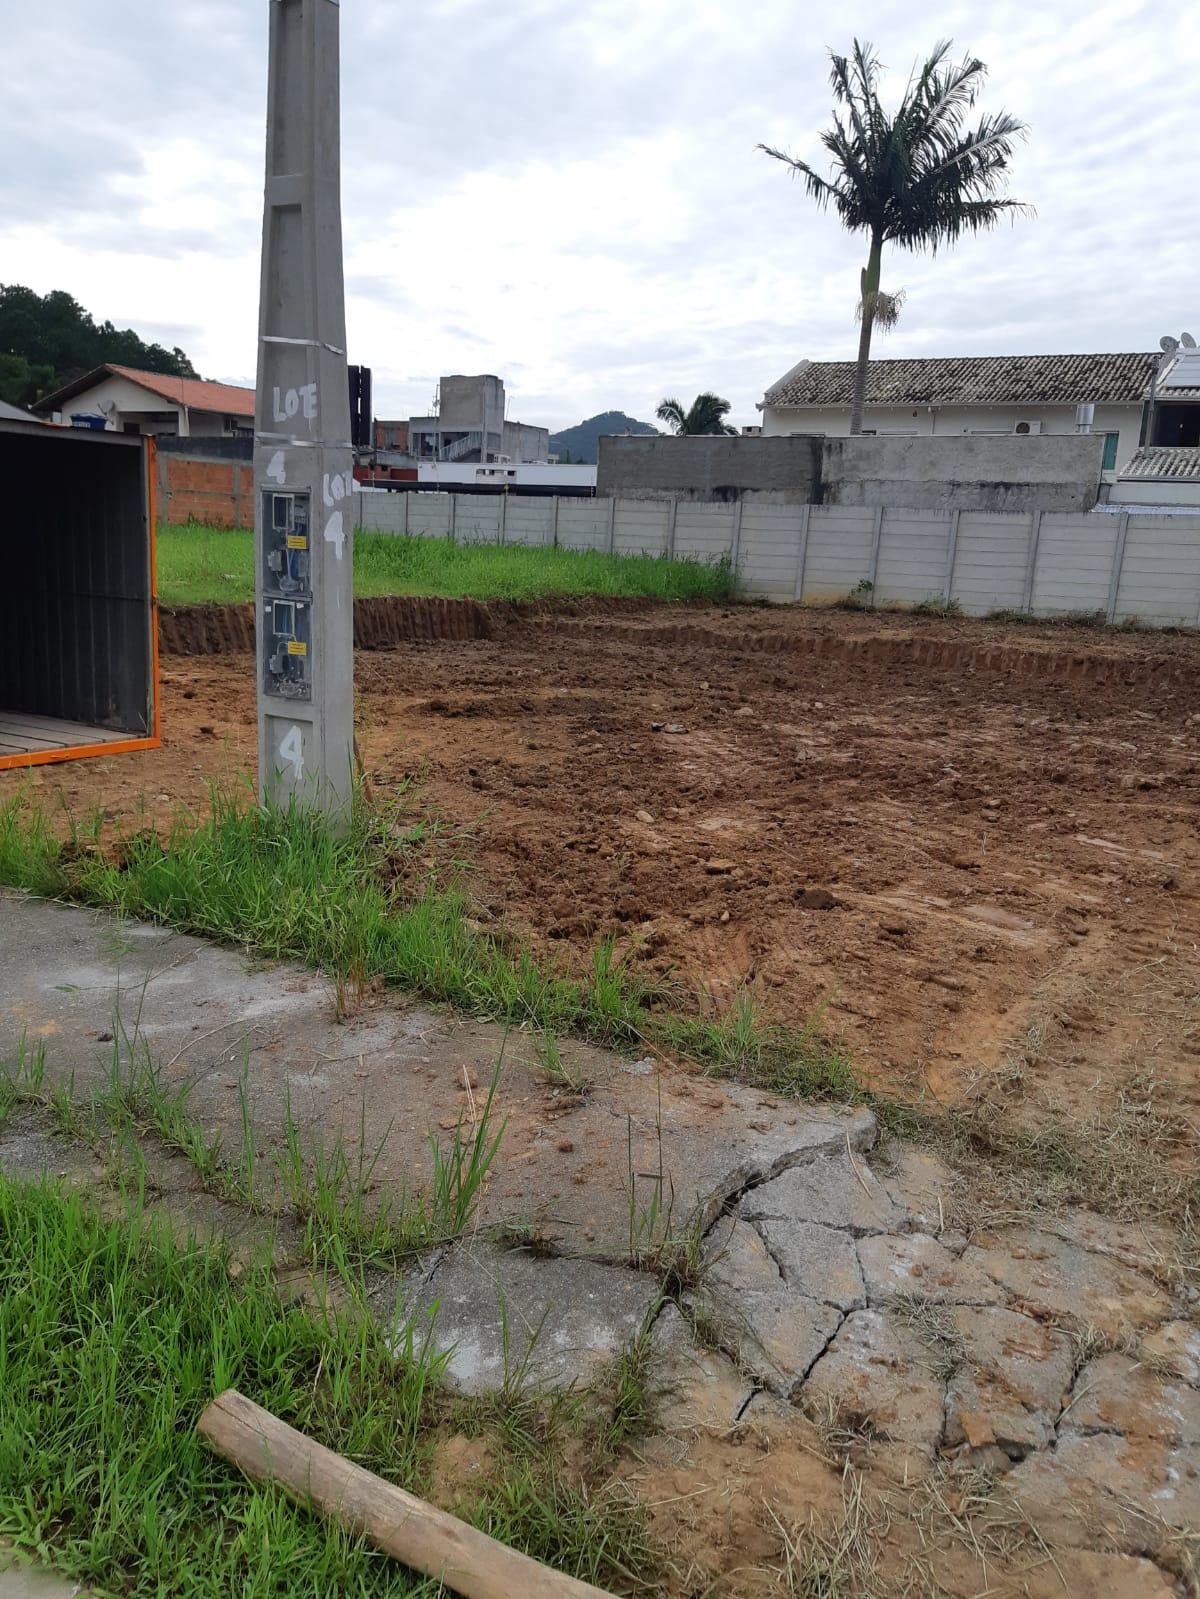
[919, 178]
[706, 414]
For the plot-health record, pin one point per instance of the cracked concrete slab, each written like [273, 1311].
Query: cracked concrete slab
[876, 1377]
[1176, 1347]
[833, 1189]
[918, 1184]
[735, 1258]
[915, 1266]
[691, 1384]
[817, 1261]
[773, 1333]
[1116, 1394]
[506, 1317]
[1051, 1277]
[1011, 1384]
[394, 1072]
[1096, 1487]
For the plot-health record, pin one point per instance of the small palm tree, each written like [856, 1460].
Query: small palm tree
[918, 178]
[706, 414]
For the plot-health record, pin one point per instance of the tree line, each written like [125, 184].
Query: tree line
[48, 339]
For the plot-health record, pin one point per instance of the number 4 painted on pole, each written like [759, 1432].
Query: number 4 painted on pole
[291, 749]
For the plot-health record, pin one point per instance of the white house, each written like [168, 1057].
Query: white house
[999, 394]
[122, 399]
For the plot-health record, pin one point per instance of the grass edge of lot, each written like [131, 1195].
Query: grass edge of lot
[198, 564]
[283, 883]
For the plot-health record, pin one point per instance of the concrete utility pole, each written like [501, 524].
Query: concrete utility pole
[302, 457]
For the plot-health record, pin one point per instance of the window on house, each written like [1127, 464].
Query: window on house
[1109, 462]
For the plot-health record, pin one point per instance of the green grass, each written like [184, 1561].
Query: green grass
[198, 564]
[285, 885]
[113, 1338]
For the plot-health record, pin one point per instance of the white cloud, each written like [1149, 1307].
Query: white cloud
[567, 191]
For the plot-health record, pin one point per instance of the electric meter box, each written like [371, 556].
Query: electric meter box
[287, 596]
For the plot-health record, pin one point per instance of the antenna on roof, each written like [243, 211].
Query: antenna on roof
[1167, 344]
[1187, 341]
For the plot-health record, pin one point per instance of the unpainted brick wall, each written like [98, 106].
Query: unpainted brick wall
[199, 489]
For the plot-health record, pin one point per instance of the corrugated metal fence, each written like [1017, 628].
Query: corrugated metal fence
[1122, 564]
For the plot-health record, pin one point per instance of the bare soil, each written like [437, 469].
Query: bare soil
[970, 848]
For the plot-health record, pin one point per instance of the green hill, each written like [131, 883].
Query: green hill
[581, 442]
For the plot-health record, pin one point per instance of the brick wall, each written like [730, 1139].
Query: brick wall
[200, 489]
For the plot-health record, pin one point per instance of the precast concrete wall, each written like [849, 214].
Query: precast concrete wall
[1043, 562]
[1006, 472]
[708, 466]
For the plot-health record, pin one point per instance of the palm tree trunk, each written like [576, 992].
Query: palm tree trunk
[870, 288]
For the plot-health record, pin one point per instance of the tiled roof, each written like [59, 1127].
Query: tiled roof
[974, 380]
[1178, 461]
[196, 394]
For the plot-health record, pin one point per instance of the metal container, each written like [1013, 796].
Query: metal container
[78, 611]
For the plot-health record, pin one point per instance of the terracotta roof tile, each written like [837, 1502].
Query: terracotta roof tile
[974, 380]
[195, 393]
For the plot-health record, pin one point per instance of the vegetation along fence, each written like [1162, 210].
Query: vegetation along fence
[1121, 564]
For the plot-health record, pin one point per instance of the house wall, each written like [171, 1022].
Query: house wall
[125, 396]
[1156, 491]
[134, 403]
[925, 421]
[524, 442]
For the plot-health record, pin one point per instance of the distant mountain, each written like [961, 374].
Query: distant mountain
[582, 442]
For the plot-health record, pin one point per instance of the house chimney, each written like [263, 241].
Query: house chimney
[1085, 415]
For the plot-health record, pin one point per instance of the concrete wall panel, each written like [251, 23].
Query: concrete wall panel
[583, 524]
[990, 561]
[477, 518]
[1160, 573]
[913, 548]
[641, 527]
[429, 515]
[839, 551]
[1074, 564]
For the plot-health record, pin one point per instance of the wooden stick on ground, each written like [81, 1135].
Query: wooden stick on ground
[430, 1541]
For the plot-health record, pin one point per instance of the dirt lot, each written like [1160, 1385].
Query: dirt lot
[975, 847]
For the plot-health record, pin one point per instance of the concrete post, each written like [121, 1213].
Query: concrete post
[302, 456]
[1118, 562]
[672, 514]
[876, 536]
[1035, 534]
[951, 552]
[802, 551]
[735, 539]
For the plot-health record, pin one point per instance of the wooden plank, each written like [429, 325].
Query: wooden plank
[424, 1538]
[55, 730]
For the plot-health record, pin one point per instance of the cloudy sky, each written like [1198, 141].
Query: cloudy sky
[567, 192]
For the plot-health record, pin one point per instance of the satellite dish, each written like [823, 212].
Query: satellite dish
[1167, 344]
[1187, 341]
